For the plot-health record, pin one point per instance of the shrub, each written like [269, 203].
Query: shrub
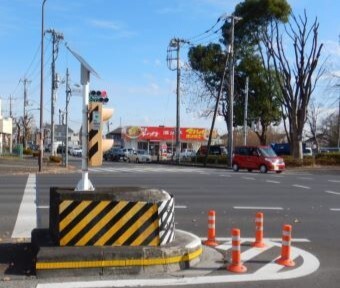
[328, 159]
[55, 159]
[27, 151]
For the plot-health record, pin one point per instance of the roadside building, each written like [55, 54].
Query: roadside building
[6, 130]
[161, 140]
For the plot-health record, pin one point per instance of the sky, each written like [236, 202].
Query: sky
[126, 42]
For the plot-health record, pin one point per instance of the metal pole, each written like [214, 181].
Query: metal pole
[339, 122]
[41, 89]
[231, 95]
[68, 95]
[178, 129]
[245, 112]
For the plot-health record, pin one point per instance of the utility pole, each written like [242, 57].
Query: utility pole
[339, 113]
[24, 117]
[68, 96]
[175, 45]
[231, 91]
[245, 112]
[56, 38]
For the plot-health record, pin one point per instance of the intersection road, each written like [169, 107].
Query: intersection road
[309, 201]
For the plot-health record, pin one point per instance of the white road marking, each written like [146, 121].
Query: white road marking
[335, 209]
[27, 215]
[305, 178]
[251, 253]
[43, 207]
[180, 207]
[272, 267]
[301, 186]
[257, 208]
[310, 265]
[248, 178]
[334, 181]
[249, 239]
[332, 192]
[273, 181]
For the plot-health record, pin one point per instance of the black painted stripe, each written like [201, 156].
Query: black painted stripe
[92, 134]
[93, 150]
[151, 237]
[112, 222]
[68, 210]
[92, 223]
[77, 219]
[142, 228]
[126, 226]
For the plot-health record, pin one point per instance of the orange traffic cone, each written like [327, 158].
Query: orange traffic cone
[285, 249]
[259, 231]
[211, 230]
[236, 264]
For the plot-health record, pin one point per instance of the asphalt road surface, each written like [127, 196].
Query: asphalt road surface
[309, 201]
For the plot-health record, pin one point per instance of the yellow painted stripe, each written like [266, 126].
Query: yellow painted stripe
[137, 225]
[63, 205]
[146, 233]
[85, 221]
[119, 262]
[119, 224]
[68, 219]
[101, 223]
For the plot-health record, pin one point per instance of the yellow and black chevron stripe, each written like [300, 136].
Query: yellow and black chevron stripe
[94, 137]
[108, 223]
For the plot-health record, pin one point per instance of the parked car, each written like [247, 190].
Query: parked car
[127, 152]
[261, 158]
[187, 154]
[77, 152]
[114, 154]
[139, 156]
[213, 150]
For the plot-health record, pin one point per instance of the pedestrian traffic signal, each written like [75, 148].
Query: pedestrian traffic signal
[98, 96]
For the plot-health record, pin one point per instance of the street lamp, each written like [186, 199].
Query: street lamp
[42, 88]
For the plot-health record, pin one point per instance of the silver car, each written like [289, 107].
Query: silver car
[139, 156]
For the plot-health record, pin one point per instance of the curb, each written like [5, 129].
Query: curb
[51, 261]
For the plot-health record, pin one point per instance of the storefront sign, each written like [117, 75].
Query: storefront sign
[167, 133]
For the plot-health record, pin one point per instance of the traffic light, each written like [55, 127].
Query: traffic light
[97, 116]
[98, 96]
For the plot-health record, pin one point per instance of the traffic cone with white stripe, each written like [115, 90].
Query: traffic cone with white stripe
[211, 241]
[236, 264]
[285, 259]
[259, 231]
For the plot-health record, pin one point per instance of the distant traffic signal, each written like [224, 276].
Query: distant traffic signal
[98, 96]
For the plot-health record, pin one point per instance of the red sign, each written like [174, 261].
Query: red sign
[166, 133]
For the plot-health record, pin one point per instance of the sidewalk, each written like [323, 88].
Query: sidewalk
[30, 165]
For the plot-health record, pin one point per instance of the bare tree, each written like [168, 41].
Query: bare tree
[297, 78]
[312, 120]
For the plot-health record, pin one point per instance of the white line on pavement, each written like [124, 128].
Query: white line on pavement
[27, 215]
[273, 181]
[310, 265]
[334, 181]
[257, 208]
[332, 192]
[180, 207]
[305, 178]
[249, 239]
[335, 209]
[43, 207]
[301, 186]
[248, 178]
